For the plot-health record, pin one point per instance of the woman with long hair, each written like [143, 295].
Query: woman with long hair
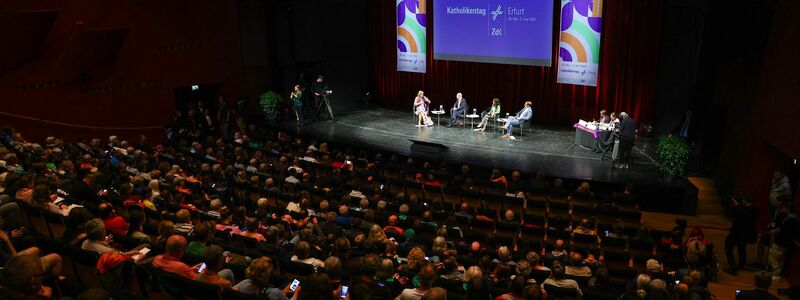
[490, 113]
[421, 104]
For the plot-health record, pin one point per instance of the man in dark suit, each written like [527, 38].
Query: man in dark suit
[743, 231]
[459, 108]
[627, 134]
[687, 128]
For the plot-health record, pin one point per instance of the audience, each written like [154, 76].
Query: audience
[188, 200]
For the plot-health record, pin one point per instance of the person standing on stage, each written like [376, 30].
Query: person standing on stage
[319, 88]
[687, 128]
[743, 231]
[297, 103]
[490, 113]
[523, 115]
[421, 109]
[627, 134]
[460, 107]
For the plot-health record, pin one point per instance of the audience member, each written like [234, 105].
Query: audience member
[557, 279]
[762, 281]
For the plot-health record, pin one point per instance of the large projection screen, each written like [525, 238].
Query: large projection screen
[504, 32]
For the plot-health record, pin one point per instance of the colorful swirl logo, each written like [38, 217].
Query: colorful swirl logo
[411, 26]
[581, 23]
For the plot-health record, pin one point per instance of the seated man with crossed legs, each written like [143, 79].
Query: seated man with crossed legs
[523, 115]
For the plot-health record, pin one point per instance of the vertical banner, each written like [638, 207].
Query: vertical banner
[411, 47]
[579, 44]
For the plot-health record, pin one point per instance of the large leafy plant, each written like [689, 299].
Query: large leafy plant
[673, 155]
[270, 104]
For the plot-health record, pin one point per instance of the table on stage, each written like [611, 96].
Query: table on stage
[585, 135]
[503, 121]
[472, 118]
[437, 113]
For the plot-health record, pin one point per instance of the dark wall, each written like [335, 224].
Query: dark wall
[110, 64]
[326, 37]
[758, 82]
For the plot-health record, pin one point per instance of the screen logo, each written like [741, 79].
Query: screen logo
[497, 12]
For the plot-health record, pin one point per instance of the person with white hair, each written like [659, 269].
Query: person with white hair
[627, 135]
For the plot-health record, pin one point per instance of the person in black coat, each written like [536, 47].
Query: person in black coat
[319, 88]
[743, 231]
[627, 134]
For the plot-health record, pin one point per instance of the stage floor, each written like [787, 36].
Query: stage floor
[548, 149]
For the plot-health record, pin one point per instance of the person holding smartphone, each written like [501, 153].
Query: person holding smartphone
[211, 270]
[258, 281]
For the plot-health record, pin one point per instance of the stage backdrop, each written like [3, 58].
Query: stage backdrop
[411, 35]
[579, 45]
[626, 82]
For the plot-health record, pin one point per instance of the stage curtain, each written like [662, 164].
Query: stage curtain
[629, 57]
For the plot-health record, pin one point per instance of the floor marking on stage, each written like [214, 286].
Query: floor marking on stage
[652, 161]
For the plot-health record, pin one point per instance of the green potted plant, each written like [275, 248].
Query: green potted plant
[270, 105]
[673, 155]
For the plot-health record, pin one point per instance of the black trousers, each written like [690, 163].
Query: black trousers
[625, 150]
[732, 241]
[317, 108]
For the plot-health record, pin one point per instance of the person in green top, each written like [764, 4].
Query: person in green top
[297, 103]
[203, 233]
[489, 113]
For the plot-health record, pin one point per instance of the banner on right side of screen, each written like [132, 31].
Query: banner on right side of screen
[579, 42]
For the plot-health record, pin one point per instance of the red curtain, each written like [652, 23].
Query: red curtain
[626, 82]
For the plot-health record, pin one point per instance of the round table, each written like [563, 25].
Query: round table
[437, 113]
[472, 118]
[501, 120]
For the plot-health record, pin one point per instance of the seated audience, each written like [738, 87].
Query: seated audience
[557, 279]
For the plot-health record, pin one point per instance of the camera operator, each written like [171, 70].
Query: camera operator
[319, 88]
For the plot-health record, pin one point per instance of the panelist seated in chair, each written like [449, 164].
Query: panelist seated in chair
[459, 108]
[490, 113]
[523, 115]
[421, 109]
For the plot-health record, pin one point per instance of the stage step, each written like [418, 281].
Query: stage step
[708, 202]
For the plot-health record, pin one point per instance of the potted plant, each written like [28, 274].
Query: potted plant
[673, 155]
[270, 105]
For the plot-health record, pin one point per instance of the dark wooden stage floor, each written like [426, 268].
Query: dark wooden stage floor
[549, 149]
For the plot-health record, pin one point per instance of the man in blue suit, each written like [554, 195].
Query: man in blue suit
[459, 108]
[523, 115]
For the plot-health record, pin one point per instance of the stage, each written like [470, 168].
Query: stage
[549, 149]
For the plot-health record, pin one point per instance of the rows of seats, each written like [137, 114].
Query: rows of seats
[260, 179]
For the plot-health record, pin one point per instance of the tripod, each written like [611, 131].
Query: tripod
[327, 104]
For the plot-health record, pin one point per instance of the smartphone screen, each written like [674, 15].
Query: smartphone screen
[294, 285]
[344, 292]
[202, 268]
